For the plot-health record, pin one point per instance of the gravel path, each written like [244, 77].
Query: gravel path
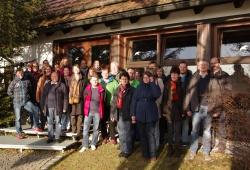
[28, 159]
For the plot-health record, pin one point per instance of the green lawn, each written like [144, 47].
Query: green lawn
[106, 158]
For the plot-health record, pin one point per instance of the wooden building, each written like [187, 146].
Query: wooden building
[135, 32]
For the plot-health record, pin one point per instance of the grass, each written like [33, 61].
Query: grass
[106, 158]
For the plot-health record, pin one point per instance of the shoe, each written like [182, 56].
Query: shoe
[50, 140]
[93, 147]
[207, 157]
[83, 149]
[113, 141]
[37, 129]
[190, 156]
[20, 136]
[58, 140]
[125, 155]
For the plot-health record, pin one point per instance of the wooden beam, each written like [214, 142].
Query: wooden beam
[238, 3]
[86, 27]
[163, 15]
[134, 19]
[204, 42]
[66, 30]
[198, 9]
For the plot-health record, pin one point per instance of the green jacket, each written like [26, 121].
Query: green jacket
[134, 83]
[110, 90]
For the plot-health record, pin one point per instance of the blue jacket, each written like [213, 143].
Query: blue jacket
[143, 102]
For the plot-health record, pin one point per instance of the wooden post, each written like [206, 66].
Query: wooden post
[117, 47]
[204, 42]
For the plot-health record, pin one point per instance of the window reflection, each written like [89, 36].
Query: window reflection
[235, 43]
[101, 53]
[180, 46]
[144, 50]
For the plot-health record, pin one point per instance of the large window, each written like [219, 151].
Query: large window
[101, 53]
[235, 43]
[144, 49]
[180, 46]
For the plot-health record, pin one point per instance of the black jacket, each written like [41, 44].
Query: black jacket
[61, 98]
[125, 111]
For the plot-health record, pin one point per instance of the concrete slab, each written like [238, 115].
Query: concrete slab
[29, 131]
[33, 143]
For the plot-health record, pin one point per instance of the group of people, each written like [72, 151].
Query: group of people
[149, 108]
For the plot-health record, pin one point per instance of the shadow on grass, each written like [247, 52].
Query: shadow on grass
[136, 161]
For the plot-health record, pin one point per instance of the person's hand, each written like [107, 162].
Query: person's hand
[112, 119]
[133, 119]
[64, 111]
[189, 113]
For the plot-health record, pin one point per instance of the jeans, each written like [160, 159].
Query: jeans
[157, 135]
[125, 135]
[185, 130]
[147, 138]
[33, 111]
[65, 121]
[86, 125]
[52, 115]
[201, 117]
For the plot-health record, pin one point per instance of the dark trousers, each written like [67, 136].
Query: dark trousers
[103, 123]
[174, 132]
[147, 138]
[112, 131]
[76, 123]
[163, 129]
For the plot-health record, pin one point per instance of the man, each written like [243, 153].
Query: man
[19, 90]
[152, 65]
[196, 105]
[54, 102]
[133, 82]
[84, 68]
[185, 76]
[221, 87]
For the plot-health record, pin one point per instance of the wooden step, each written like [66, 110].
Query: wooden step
[29, 131]
[34, 143]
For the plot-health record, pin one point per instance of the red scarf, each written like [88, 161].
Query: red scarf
[173, 88]
[121, 93]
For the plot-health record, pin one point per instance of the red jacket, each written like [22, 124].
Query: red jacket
[87, 100]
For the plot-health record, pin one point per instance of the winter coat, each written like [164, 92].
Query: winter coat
[143, 103]
[125, 111]
[87, 99]
[61, 98]
[172, 109]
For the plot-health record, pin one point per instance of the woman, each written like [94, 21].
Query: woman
[145, 113]
[93, 110]
[97, 68]
[172, 110]
[120, 109]
[76, 89]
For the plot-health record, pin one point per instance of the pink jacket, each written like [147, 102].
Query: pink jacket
[87, 100]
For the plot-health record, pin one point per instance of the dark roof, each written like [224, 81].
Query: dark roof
[74, 13]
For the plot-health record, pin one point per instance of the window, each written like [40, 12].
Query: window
[180, 46]
[76, 54]
[235, 43]
[101, 53]
[144, 49]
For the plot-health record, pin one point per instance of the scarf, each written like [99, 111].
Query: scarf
[121, 94]
[173, 88]
[74, 90]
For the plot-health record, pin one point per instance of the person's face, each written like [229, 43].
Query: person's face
[76, 70]
[94, 81]
[137, 75]
[131, 74]
[159, 72]
[174, 76]
[183, 68]
[152, 66]
[215, 65]
[35, 67]
[96, 64]
[45, 63]
[203, 66]
[83, 64]
[66, 72]
[48, 71]
[19, 74]
[54, 77]
[146, 79]
[124, 81]
[65, 62]
[105, 74]
[91, 72]
[57, 67]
